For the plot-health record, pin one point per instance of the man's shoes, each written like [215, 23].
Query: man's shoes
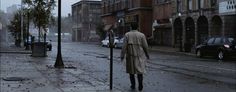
[132, 87]
[140, 87]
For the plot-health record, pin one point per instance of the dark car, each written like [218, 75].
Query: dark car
[221, 47]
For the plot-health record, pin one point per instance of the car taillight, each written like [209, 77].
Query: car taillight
[226, 46]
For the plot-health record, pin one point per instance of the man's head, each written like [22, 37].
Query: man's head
[134, 26]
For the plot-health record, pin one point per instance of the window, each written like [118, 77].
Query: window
[218, 41]
[201, 3]
[196, 4]
[190, 4]
[130, 3]
[229, 40]
[213, 3]
[210, 41]
[112, 1]
[179, 6]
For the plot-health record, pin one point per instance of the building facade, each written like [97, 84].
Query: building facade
[85, 16]
[182, 24]
[118, 14]
[193, 21]
[162, 17]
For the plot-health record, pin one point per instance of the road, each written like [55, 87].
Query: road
[166, 72]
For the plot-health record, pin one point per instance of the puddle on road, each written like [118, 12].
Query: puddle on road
[15, 79]
[65, 67]
[101, 56]
[97, 55]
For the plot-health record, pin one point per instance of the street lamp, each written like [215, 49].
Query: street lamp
[179, 14]
[59, 63]
[154, 24]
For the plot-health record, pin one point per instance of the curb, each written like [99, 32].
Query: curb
[172, 52]
[16, 52]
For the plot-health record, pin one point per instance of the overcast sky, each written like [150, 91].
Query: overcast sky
[66, 5]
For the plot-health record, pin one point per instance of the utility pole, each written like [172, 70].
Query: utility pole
[59, 62]
[22, 25]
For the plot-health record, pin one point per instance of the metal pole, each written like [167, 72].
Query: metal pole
[111, 41]
[59, 63]
[27, 34]
[21, 38]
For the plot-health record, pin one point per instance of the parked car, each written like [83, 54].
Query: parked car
[220, 47]
[120, 42]
[105, 42]
[27, 42]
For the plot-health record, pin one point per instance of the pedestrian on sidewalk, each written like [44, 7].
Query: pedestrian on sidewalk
[135, 50]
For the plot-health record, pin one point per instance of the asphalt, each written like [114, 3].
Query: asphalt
[22, 73]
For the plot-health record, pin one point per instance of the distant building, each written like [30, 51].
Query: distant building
[85, 17]
[118, 14]
[162, 19]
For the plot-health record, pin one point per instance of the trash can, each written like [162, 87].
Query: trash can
[39, 49]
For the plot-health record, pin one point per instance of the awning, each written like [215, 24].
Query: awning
[107, 27]
[164, 25]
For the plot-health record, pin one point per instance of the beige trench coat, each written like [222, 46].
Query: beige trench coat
[135, 50]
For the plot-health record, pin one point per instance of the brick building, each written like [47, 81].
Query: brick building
[162, 17]
[118, 14]
[196, 20]
[85, 17]
[182, 24]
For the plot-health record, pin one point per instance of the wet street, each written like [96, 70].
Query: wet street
[89, 63]
[166, 72]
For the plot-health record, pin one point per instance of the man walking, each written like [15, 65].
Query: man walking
[135, 49]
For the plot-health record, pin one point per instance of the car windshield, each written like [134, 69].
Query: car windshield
[231, 40]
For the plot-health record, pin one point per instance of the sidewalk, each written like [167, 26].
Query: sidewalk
[11, 48]
[22, 73]
[170, 50]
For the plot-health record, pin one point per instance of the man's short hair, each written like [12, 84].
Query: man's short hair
[134, 26]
